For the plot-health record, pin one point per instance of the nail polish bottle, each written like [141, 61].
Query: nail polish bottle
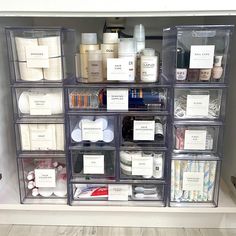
[181, 69]
[217, 70]
[205, 75]
[192, 74]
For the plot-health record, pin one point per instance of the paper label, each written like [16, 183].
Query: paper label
[202, 56]
[40, 104]
[117, 69]
[45, 178]
[37, 56]
[144, 130]
[93, 164]
[92, 131]
[195, 139]
[197, 105]
[41, 139]
[118, 192]
[142, 165]
[117, 99]
[193, 181]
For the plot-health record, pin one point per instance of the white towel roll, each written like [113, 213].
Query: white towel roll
[23, 103]
[45, 192]
[61, 188]
[54, 71]
[103, 120]
[108, 134]
[53, 43]
[76, 134]
[30, 74]
[21, 44]
[88, 118]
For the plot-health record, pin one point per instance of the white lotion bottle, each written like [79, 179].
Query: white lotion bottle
[127, 49]
[88, 43]
[109, 49]
[149, 66]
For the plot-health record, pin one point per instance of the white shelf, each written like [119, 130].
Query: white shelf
[124, 8]
[223, 216]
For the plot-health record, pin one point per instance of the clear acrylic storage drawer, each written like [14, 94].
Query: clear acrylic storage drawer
[40, 101]
[110, 99]
[133, 194]
[199, 103]
[93, 163]
[42, 179]
[144, 129]
[41, 136]
[196, 54]
[142, 164]
[90, 129]
[193, 137]
[38, 54]
[194, 180]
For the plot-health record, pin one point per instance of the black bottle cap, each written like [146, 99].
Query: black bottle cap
[181, 63]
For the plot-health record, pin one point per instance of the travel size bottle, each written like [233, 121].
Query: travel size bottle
[88, 43]
[149, 66]
[95, 66]
[109, 49]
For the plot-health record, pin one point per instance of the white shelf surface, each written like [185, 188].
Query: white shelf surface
[223, 216]
[124, 8]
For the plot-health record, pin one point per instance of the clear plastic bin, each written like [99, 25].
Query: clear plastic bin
[198, 137]
[42, 179]
[39, 137]
[132, 194]
[194, 180]
[144, 129]
[196, 54]
[93, 163]
[40, 54]
[113, 99]
[92, 130]
[199, 103]
[142, 164]
[32, 102]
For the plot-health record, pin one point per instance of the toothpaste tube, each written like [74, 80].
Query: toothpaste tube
[93, 192]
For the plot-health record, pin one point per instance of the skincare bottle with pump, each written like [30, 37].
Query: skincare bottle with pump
[109, 49]
[149, 66]
[88, 43]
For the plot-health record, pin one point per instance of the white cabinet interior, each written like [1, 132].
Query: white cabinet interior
[9, 199]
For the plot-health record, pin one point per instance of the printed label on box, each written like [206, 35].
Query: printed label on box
[92, 131]
[40, 104]
[197, 105]
[117, 99]
[93, 164]
[195, 139]
[118, 192]
[144, 130]
[45, 178]
[41, 139]
[117, 69]
[37, 56]
[142, 165]
[193, 181]
[202, 56]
